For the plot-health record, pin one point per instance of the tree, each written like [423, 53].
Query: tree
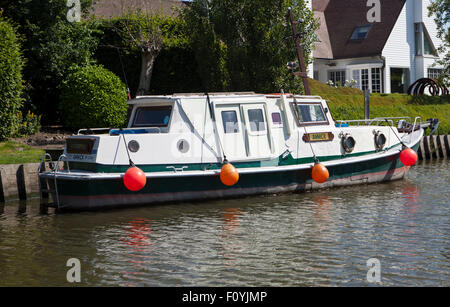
[11, 84]
[249, 42]
[148, 32]
[440, 9]
[51, 45]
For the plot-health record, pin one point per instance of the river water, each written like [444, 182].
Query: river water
[322, 238]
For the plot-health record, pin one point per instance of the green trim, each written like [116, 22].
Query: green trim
[280, 161]
[213, 183]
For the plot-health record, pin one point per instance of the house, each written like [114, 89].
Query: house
[384, 45]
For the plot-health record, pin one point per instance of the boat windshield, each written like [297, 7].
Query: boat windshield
[157, 116]
[310, 114]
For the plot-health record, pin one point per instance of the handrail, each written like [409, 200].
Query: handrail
[43, 161]
[91, 129]
[369, 122]
[158, 129]
[61, 157]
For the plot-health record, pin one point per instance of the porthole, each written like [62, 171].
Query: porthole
[133, 146]
[348, 143]
[183, 146]
[380, 140]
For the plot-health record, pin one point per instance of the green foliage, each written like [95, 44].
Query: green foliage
[11, 83]
[51, 45]
[92, 96]
[440, 9]
[174, 69]
[28, 125]
[245, 45]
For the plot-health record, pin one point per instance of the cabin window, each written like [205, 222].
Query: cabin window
[310, 114]
[158, 116]
[276, 118]
[230, 122]
[256, 119]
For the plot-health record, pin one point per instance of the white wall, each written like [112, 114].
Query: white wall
[399, 50]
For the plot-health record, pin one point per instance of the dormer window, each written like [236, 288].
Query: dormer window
[360, 32]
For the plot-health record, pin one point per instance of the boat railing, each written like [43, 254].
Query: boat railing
[92, 130]
[370, 122]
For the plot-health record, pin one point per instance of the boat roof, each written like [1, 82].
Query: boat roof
[222, 95]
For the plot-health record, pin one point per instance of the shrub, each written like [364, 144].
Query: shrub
[11, 83]
[93, 96]
[28, 124]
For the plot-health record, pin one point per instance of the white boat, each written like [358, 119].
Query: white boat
[181, 142]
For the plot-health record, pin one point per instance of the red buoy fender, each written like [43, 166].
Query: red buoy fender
[229, 175]
[408, 157]
[320, 173]
[134, 179]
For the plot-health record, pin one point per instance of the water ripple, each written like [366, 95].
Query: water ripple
[313, 239]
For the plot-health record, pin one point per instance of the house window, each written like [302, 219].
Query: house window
[356, 74]
[376, 80]
[338, 77]
[423, 42]
[418, 38]
[230, 122]
[434, 73]
[364, 79]
[256, 119]
[368, 79]
[360, 32]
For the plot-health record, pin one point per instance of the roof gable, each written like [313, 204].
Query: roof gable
[343, 17]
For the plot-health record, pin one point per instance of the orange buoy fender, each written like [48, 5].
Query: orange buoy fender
[229, 175]
[134, 179]
[408, 157]
[320, 173]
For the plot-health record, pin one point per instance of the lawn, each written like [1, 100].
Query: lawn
[348, 103]
[15, 153]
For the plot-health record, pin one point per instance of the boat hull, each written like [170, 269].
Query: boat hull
[76, 194]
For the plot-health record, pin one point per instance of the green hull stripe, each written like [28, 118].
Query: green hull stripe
[280, 161]
[211, 182]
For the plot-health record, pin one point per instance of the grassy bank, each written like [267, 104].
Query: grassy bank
[16, 153]
[348, 103]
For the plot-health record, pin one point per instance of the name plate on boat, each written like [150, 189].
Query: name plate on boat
[318, 137]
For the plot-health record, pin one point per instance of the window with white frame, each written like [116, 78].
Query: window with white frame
[434, 73]
[337, 76]
[364, 79]
[376, 80]
[368, 79]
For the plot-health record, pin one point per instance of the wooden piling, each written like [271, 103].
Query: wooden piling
[2, 193]
[426, 147]
[420, 151]
[446, 143]
[21, 188]
[441, 149]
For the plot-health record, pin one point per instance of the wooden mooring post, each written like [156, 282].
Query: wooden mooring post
[434, 147]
